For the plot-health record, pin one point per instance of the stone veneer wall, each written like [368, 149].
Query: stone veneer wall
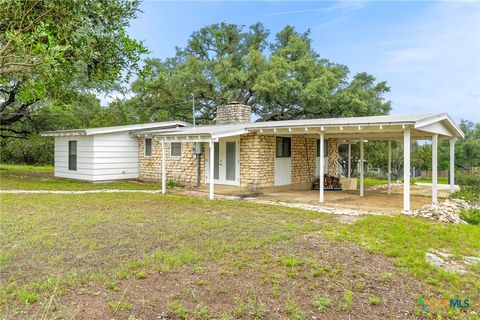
[181, 169]
[233, 113]
[257, 161]
[333, 157]
[304, 159]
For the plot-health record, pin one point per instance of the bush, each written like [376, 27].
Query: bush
[472, 216]
[469, 193]
[467, 179]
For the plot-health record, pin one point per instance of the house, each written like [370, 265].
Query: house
[99, 154]
[278, 155]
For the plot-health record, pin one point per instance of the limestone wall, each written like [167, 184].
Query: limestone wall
[180, 169]
[333, 157]
[257, 161]
[304, 155]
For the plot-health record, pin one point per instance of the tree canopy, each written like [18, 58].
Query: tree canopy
[283, 78]
[53, 50]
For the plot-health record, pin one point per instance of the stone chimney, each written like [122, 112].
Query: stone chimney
[233, 112]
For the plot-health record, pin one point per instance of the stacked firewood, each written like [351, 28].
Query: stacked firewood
[329, 182]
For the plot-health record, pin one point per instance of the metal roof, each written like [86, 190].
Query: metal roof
[215, 131]
[102, 130]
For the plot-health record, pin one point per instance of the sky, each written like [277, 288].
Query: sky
[428, 52]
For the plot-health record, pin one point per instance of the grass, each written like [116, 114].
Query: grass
[441, 180]
[471, 216]
[407, 239]
[26, 177]
[53, 243]
[370, 182]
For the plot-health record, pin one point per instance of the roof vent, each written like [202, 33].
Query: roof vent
[234, 112]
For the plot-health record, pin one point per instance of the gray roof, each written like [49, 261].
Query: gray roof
[128, 128]
[417, 120]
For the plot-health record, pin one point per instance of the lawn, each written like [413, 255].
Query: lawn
[25, 177]
[132, 255]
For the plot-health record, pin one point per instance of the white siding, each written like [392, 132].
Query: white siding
[84, 155]
[115, 156]
[100, 157]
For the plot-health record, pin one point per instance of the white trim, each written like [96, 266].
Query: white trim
[322, 159]
[406, 170]
[362, 165]
[164, 169]
[389, 166]
[435, 168]
[452, 165]
[212, 182]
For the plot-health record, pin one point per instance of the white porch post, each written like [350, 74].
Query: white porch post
[164, 169]
[406, 170]
[452, 165]
[211, 173]
[389, 167]
[434, 168]
[322, 160]
[361, 167]
[349, 160]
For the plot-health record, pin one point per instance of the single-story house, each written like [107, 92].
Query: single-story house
[277, 155]
[98, 154]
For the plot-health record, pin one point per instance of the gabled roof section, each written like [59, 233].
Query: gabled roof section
[427, 123]
[103, 130]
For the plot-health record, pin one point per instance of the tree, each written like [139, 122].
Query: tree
[50, 50]
[281, 79]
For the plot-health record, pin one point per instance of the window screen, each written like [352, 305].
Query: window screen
[325, 148]
[72, 155]
[175, 149]
[283, 148]
[148, 147]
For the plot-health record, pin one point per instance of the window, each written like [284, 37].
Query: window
[283, 148]
[325, 148]
[148, 147]
[175, 149]
[72, 155]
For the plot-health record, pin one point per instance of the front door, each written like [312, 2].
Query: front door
[226, 163]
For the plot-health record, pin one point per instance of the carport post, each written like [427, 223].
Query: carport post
[452, 165]
[434, 168]
[406, 170]
[361, 167]
[349, 160]
[164, 169]
[389, 168]
[322, 159]
[211, 173]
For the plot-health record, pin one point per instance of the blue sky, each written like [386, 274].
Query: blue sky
[428, 52]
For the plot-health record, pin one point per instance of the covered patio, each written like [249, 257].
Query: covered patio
[433, 127]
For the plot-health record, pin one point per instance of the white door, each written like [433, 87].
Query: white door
[226, 162]
[283, 161]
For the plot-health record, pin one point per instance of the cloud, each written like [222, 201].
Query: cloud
[345, 6]
[435, 64]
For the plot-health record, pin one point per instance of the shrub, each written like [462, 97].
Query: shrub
[322, 303]
[469, 193]
[373, 300]
[173, 184]
[472, 216]
[467, 179]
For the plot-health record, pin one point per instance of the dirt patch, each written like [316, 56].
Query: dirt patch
[257, 284]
